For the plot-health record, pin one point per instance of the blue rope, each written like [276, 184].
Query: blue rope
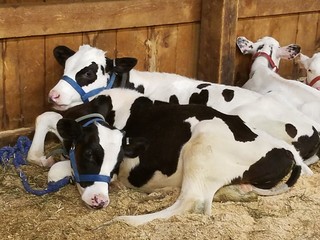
[18, 153]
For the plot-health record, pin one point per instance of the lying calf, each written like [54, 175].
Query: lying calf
[90, 70]
[264, 80]
[151, 145]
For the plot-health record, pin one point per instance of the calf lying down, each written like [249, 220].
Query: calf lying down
[89, 69]
[264, 80]
[152, 145]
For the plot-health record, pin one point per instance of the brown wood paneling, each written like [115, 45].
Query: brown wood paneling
[217, 36]
[105, 40]
[187, 49]
[165, 39]
[12, 87]
[1, 84]
[31, 78]
[258, 8]
[33, 19]
[132, 43]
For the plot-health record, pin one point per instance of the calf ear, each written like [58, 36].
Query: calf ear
[288, 52]
[133, 147]
[69, 129]
[121, 65]
[245, 45]
[62, 53]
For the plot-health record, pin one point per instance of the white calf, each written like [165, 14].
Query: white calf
[267, 53]
[312, 65]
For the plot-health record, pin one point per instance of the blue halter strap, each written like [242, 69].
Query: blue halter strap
[85, 96]
[86, 177]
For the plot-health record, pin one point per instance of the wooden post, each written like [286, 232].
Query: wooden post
[218, 41]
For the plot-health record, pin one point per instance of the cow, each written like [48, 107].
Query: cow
[263, 78]
[88, 70]
[151, 145]
[312, 66]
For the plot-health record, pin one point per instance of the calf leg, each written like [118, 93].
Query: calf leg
[198, 186]
[44, 123]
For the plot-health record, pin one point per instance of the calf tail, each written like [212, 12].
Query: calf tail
[283, 187]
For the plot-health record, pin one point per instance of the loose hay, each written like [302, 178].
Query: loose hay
[62, 215]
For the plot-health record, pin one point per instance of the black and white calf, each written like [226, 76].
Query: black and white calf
[89, 69]
[152, 145]
[263, 79]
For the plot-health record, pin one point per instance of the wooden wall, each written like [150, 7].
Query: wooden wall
[293, 21]
[195, 38]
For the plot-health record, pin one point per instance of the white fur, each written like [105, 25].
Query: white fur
[312, 65]
[265, 81]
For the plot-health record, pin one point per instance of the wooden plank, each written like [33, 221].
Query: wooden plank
[131, 43]
[10, 137]
[254, 8]
[2, 119]
[19, 20]
[166, 40]
[105, 40]
[217, 41]
[187, 49]
[12, 95]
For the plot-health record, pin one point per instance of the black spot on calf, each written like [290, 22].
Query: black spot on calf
[173, 99]
[199, 98]
[308, 146]
[203, 85]
[291, 130]
[270, 169]
[228, 94]
[87, 75]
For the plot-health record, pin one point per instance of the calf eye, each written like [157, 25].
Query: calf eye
[88, 153]
[309, 70]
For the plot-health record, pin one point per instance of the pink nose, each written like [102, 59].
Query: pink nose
[53, 96]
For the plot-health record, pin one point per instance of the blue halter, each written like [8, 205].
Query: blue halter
[86, 177]
[85, 96]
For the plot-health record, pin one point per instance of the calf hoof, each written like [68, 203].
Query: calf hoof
[42, 161]
[235, 193]
[59, 171]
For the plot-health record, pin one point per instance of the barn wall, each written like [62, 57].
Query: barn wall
[288, 21]
[195, 38]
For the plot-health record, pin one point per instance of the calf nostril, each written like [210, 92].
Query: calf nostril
[53, 97]
[98, 203]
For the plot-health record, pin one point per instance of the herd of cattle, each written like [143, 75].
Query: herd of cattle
[152, 130]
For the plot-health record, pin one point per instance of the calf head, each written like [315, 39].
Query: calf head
[86, 73]
[268, 48]
[312, 66]
[96, 150]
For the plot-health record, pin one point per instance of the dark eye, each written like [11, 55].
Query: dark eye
[88, 74]
[309, 70]
[88, 154]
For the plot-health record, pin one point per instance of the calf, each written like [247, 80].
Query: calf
[312, 65]
[89, 70]
[264, 80]
[152, 145]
